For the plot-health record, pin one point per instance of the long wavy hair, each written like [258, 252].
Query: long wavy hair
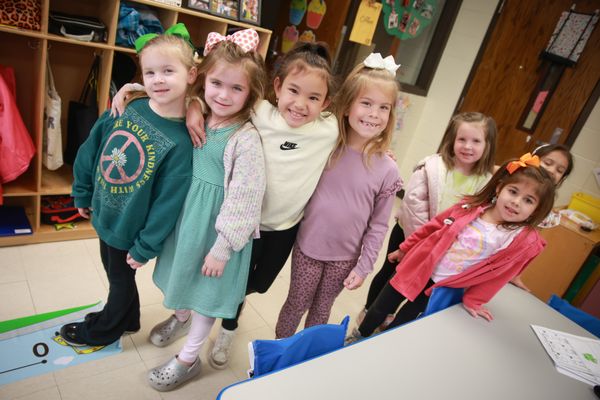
[357, 81]
[545, 189]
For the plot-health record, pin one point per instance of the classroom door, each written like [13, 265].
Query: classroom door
[510, 69]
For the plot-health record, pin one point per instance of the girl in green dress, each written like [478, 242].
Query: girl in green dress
[202, 270]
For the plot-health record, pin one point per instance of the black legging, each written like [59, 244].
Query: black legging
[122, 309]
[269, 254]
[387, 269]
[386, 303]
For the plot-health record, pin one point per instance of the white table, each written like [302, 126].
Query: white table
[449, 355]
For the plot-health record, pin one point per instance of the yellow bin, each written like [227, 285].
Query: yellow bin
[587, 204]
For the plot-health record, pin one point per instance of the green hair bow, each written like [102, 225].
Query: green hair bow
[178, 29]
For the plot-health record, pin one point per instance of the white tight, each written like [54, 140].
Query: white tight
[199, 331]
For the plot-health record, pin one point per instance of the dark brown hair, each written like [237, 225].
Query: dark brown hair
[486, 163]
[546, 149]
[545, 191]
[302, 56]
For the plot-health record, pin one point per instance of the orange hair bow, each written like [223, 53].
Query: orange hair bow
[525, 160]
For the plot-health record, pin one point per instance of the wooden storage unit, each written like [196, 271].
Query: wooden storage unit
[27, 51]
[553, 271]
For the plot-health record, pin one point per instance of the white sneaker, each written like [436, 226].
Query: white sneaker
[219, 355]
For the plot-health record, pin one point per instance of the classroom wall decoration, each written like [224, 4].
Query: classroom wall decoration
[289, 38]
[406, 19]
[297, 11]
[316, 11]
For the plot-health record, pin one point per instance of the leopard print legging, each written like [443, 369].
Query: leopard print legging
[314, 286]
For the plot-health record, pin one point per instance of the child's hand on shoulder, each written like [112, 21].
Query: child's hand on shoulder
[481, 312]
[194, 121]
[353, 281]
[212, 266]
[133, 263]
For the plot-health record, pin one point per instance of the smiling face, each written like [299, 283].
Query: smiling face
[368, 116]
[301, 96]
[555, 163]
[226, 90]
[516, 202]
[469, 146]
[166, 80]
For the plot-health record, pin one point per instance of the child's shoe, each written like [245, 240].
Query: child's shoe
[172, 374]
[130, 330]
[354, 337]
[69, 334]
[169, 330]
[388, 320]
[219, 355]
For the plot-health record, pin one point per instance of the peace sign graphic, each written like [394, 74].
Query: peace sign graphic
[120, 147]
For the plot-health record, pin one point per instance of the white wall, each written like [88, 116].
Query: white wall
[427, 117]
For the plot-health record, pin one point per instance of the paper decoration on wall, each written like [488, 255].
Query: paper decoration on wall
[289, 38]
[406, 19]
[402, 106]
[365, 22]
[570, 36]
[307, 36]
[297, 10]
[316, 12]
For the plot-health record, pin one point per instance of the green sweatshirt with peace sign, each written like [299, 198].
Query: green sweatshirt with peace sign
[134, 172]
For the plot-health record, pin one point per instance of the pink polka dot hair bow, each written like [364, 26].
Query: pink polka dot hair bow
[247, 39]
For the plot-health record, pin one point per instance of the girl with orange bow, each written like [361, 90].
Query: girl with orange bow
[202, 270]
[479, 244]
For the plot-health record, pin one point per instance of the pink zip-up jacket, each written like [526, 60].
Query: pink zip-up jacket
[426, 246]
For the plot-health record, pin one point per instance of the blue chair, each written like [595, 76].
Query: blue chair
[442, 298]
[272, 355]
[581, 318]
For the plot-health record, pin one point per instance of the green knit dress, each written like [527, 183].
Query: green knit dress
[178, 271]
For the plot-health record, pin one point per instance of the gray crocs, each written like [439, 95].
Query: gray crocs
[172, 374]
[169, 330]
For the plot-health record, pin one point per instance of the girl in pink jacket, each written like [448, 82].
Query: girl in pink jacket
[462, 167]
[479, 244]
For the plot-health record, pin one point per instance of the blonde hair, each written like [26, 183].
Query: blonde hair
[545, 191]
[176, 47]
[302, 57]
[252, 64]
[357, 81]
[486, 163]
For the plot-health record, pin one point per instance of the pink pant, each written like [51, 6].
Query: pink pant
[314, 286]
[197, 335]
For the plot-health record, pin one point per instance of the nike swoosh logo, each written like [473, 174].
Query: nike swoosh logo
[282, 147]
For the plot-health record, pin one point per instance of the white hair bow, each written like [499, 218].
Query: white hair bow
[375, 61]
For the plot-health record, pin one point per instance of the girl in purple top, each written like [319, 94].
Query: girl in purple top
[346, 219]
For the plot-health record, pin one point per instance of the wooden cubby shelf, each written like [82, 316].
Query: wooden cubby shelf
[28, 52]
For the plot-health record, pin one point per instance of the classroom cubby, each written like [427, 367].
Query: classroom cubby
[29, 52]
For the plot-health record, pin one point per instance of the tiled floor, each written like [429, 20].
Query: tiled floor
[53, 276]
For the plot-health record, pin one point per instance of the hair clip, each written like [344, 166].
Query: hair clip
[525, 160]
[375, 61]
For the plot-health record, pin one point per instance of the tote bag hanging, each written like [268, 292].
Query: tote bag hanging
[52, 156]
[82, 114]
